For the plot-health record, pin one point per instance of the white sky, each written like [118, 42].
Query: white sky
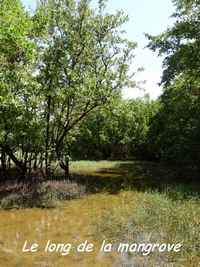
[145, 16]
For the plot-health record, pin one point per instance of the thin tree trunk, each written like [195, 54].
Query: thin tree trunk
[9, 162]
[65, 167]
[47, 167]
[35, 162]
[41, 160]
[3, 162]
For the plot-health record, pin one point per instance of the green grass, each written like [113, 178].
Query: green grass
[86, 166]
[154, 218]
[159, 204]
[113, 176]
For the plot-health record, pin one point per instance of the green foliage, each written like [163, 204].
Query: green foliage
[180, 43]
[118, 130]
[57, 65]
[85, 63]
[62, 70]
[174, 134]
[15, 26]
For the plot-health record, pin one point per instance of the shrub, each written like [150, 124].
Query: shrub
[43, 195]
[12, 201]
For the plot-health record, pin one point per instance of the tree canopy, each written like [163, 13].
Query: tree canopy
[58, 65]
[175, 130]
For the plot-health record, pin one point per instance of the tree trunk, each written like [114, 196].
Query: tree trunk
[35, 162]
[65, 167]
[3, 162]
[20, 165]
[47, 163]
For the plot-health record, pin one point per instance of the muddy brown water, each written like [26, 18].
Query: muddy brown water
[72, 223]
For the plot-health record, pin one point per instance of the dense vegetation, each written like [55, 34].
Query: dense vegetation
[117, 131]
[57, 65]
[176, 128]
[62, 69]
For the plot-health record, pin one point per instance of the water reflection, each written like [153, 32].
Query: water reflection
[71, 223]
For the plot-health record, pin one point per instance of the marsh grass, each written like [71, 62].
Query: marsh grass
[47, 194]
[153, 217]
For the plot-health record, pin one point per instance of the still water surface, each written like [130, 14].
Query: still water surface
[71, 223]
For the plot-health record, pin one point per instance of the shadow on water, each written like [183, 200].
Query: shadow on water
[142, 176]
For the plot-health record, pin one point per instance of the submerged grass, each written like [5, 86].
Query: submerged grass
[153, 217]
[47, 194]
